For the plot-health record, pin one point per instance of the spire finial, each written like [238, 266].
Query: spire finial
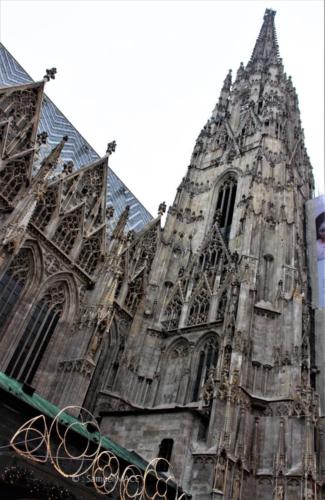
[269, 12]
[42, 138]
[162, 208]
[50, 75]
[111, 146]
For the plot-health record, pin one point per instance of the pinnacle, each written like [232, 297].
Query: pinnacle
[227, 81]
[266, 49]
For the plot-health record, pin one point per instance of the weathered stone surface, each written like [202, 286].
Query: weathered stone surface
[200, 332]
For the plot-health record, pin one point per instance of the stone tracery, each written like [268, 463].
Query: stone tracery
[160, 353]
[68, 230]
[13, 282]
[37, 334]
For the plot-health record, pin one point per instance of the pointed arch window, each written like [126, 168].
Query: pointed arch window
[199, 309]
[148, 247]
[45, 209]
[207, 360]
[37, 335]
[211, 255]
[68, 231]
[135, 293]
[173, 312]
[90, 254]
[13, 282]
[225, 205]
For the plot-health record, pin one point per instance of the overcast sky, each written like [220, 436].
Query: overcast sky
[149, 73]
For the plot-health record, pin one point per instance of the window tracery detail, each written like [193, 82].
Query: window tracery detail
[134, 294]
[68, 230]
[212, 253]
[206, 361]
[13, 177]
[90, 186]
[20, 106]
[225, 205]
[45, 209]
[37, 334]
[13, 282]
[199, 309]
[90, 254]
[146, 248]
[173, 312]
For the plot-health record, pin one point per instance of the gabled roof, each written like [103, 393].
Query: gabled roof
[56, 125]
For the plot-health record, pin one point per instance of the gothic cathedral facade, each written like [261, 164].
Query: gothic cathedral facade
[194, 341]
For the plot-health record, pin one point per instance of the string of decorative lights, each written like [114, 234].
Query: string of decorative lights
[103, 467]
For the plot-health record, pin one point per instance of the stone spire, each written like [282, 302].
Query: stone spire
[227, 83]
[266, 48]
[121, 223]
[50, 162]
[222, 103]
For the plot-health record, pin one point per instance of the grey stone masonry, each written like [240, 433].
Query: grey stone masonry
[198, 341]
[220, 305]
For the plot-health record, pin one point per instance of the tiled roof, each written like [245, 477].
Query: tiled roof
[77, 149]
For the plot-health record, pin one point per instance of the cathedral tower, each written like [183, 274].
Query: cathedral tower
[209, 362]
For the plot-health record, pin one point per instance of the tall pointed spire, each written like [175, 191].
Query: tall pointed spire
[121, 223]
[266, 48]
[50, 162]
[221, 105]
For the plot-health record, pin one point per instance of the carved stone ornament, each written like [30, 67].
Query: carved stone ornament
[51, 264]
[111, 147]
[50, 74]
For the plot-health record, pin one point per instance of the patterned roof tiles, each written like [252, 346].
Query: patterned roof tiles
[77, 149]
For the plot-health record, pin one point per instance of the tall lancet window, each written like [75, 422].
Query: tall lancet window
[207, 361]
[225, 204]
[37, 335]
[12, 284]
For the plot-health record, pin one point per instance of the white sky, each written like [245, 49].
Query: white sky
[148, 73]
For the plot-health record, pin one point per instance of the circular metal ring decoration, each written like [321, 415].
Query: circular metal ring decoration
[157, 483]
[131, 483]
[60, 445]
[105, 472]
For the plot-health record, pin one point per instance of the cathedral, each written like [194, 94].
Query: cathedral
[199, 341]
